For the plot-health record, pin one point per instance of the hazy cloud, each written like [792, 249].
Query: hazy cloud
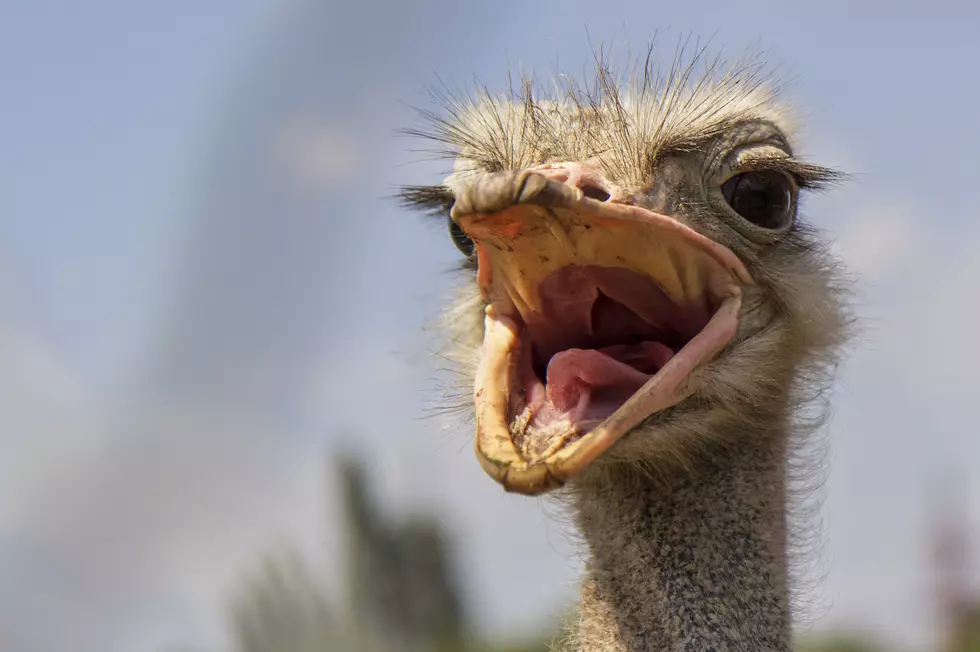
[875, 241]
[319, 154]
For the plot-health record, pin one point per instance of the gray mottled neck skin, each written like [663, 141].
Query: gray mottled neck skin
[694, 563]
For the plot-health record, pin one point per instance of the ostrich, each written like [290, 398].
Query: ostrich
[646, 325]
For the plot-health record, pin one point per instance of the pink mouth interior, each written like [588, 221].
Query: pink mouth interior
[600, 334]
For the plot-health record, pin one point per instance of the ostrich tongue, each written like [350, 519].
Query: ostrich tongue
[598, 336]
[597, 315]
[574, 373]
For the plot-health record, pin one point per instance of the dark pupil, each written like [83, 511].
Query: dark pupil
[460, 239]
[763, 198]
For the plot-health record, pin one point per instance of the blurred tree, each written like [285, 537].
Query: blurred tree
[965, 627]
[401, 592]
[282, 609]
[401, 588]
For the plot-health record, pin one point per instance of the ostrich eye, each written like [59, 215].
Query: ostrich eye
[764, 198]
[460, 239]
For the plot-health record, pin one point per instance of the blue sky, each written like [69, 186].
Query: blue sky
[202, 291]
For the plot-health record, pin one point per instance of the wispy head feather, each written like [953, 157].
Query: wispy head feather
[625, 121]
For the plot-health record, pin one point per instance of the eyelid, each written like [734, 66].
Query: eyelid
[758, 156]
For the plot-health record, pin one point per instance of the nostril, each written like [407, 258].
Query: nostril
[593, 192]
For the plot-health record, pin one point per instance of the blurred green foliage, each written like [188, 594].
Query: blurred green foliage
[401, 594]
[838, 642]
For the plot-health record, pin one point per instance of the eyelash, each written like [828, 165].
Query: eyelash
[806, 176]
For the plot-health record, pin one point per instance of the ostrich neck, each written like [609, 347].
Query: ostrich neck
[693, 563]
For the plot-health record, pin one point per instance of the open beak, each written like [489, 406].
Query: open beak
[598, 313]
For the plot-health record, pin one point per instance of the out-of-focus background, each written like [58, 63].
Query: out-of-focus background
[215, 431]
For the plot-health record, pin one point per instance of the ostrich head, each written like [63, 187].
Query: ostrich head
[643, 288]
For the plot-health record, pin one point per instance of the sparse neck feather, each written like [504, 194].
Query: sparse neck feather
[693, 563]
